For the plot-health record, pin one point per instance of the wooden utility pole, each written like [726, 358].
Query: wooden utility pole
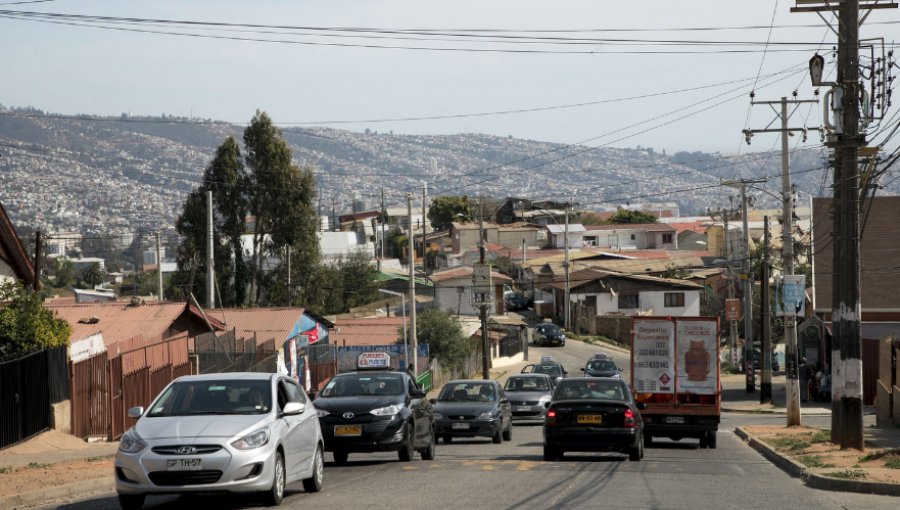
[36, 284]
[412, 289]
[792, 385]
[765, 380]
[424, 231]
[566, 269]
[159, 280]
[210, 271]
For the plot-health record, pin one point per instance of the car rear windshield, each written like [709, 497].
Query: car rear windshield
[357, 385]
[590, 390]
[551, 370]
[527, 384]
[187, 398]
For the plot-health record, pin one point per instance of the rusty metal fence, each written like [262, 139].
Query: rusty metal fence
[226, 352]
[323, 364]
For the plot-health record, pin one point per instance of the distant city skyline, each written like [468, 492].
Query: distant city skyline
[673, 89]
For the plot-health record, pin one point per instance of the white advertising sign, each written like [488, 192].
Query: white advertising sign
[86, 348]
[654, 354]
[697, 360]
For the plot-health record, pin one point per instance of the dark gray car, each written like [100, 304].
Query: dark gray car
[472, 408]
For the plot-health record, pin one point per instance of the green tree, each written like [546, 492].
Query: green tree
[63, 273]
[25, 325]
[623, 216]
[445, 210]
[93, 275]
[444, 337]
[104, 248]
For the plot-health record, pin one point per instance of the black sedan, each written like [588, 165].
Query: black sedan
[471, 408]
[601, 368]
[548, 334]
[593, 414]
[373, 411]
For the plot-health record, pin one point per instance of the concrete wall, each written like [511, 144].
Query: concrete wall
[61, 416]
[617, 327]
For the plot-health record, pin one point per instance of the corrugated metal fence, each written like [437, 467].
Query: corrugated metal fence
[28, 387]
[225, 352]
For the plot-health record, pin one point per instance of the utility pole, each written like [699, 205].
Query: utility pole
[746, 280]
[210, 271]
[289, 286]
[424, 231]
[791, 381]
[412, 290]
[36, 284]
[381, 232]
[725, 214]
[159, 266]
[765, 381]
[566, 269]
[484, 306]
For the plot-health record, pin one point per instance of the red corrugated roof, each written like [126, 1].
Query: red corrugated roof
[266, 323]
[368, 331]
[119, 321]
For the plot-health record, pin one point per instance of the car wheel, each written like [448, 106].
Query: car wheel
[340, 456]
[704, 440]
[507, 434]
[275, 495]
[648, 440]
[131, 501]
[637, 452]
[497, 438]
[407, 450]
[551, 453]
[448, 439]
[314, 482]
[428, 453]
[711, 440]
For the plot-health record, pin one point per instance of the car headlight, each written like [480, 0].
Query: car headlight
[321, 413]
[543, 400]
[562, 337]
[252, 440]
[387, 411]
[131, 442]
[438, 416]
[488, 415]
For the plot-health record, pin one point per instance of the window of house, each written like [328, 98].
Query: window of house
[633, 237]
[667, 238]
[674, 299]
[628, 301]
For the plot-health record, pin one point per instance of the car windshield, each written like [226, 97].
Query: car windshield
[527, 384]
[601, 366]
[214, 397]
[549, 329]
[468, 392]
[551, 370]
[360, 385]
[590, 390]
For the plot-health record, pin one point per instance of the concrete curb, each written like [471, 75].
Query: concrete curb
[726, 409]
[78, 489]
[814, 480]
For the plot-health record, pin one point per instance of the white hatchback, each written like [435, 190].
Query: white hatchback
[231, 432]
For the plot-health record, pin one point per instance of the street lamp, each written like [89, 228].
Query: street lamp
[403, 313]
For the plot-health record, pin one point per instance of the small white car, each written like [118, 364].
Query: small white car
[230, 432]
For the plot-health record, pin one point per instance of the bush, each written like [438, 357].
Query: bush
[444, 337]
[25, 325]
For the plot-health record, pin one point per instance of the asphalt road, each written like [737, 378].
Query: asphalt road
[477, 474]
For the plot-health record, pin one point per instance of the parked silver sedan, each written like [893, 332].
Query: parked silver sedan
[528, 394]
[232, 432]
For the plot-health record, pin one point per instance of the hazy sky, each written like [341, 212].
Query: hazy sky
[64, 68]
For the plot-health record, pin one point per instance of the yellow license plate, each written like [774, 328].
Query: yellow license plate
[590, 418]
[348, 430]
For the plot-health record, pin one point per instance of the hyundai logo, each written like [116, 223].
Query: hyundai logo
[348, 415]
[186, 450]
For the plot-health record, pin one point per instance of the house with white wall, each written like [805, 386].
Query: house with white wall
[638, 236]
[556, 235]
[453, 291]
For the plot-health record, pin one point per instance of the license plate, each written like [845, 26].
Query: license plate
[590, 418]
[459, 426]
[674, 419]
[348, 430]
[191, 464]
[522, 408]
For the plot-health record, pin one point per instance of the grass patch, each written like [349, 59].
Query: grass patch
[892, 463]
[813, 461]
[847, 474]
[97, 459]
[822, 436]
[791, 444]
[38, 465]
[5, 469]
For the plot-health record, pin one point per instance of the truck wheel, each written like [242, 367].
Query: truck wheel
[711, 440]
[704, 440]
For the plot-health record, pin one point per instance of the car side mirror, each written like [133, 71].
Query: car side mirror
[558, 379]
[135, 412]
[546, 405]
[565, 373]
[417, 393]
[432, 401]
[584, 370]
[504, 400]
[641, 406]
[621, 369]
[293, 409]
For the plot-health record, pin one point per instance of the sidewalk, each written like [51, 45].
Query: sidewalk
[735, 398]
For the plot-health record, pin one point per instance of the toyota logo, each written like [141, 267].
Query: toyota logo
[186, 450]
[348, 415]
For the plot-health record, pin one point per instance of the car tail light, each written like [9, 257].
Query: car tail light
[629, 419]
[550, 418]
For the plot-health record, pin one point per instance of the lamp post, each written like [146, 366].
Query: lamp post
[403, 313]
